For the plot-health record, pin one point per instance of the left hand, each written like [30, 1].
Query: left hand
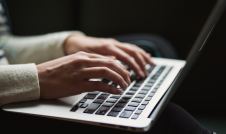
[135, 57]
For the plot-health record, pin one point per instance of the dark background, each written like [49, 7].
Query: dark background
[176, 20]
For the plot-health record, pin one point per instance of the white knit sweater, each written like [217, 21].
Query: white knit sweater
[19, 80]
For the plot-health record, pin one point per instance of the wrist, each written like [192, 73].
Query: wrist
[40, 71]
[71, 44]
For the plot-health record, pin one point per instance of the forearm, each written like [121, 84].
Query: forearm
[35, 49]
[18, 83]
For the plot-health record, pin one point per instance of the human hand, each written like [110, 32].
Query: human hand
[133, 56]
[70, 75]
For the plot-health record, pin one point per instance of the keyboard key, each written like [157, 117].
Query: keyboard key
[134, 88]
[151, 94]
[138, 84]
[138, 112]
[117, 109]
[82, 100]
[140, 81]
[153, 90]
[121, 105]
[135, 116]
[106, 81]
[127, 97]
[146, 88]
[150, 69]
[151, 81]
[115, 96]
[112, 100]
[113, 114]
[102, 110]
[138, 100]
[115, 85]
[92, 108]
[141, 107]
[148, 98]
[140, 96]
[130, 93]
[149, 85]
[103, 96]
[126, 114]
[99, 101]
[107, 104]
[128, 108]
[145, 103]
[122, 100]
[157, 86]
[83, 105]
[133, 104]
[90, 96]
[74, 108]
[143, 92]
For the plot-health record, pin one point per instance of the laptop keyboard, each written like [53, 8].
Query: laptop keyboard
[128, 105]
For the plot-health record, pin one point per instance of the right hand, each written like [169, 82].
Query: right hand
[70, 75]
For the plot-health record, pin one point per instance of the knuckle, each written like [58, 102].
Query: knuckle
[112, 40]
[131, 60]
[136, 54]
[120, 79]
[104, 70]
[111, 62]
[81, 53]
[127, 73]
[80, 61]
[107, 46]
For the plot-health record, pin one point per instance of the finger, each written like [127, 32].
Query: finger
[111, 64]
[136, 53]
[104, 72]
[127, 59]
[147, 56]
[93, 55]
[90, 86]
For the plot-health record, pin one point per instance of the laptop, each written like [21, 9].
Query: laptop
[139, 106]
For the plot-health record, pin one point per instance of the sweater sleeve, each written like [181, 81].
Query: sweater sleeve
[18, 83]
[35, 49]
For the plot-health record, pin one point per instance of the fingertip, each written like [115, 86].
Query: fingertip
[117, 91]
[142, 74]
[126, 85]
[152, 62]
[129, 80]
